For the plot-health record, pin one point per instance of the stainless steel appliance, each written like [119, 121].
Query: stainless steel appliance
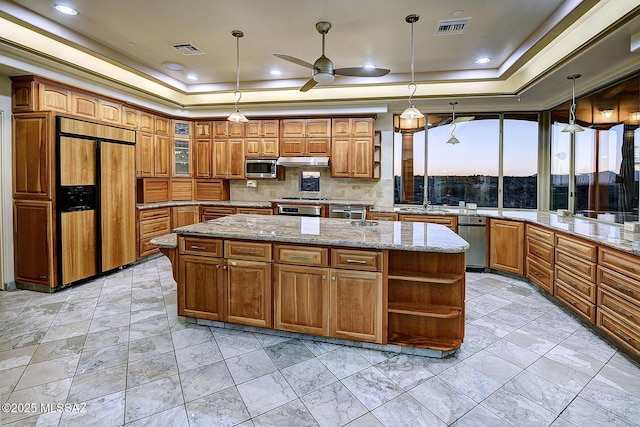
[260, 168]
[299, 210]
[473, 229]
[347, 211]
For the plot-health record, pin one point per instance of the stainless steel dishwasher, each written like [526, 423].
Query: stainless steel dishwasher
[473, 229]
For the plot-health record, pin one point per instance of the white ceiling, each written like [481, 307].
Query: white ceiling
[528, 68]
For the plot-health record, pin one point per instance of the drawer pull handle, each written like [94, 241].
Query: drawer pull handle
[619, 333]
[246, 252]
[535, 273]
[201, 248]
[299, 256]
[622, 289]
[624, 312]
[356, 261]
[570, 301]
[572, 264]
[537, 252]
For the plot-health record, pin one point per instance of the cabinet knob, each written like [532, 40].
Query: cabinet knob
[324, 276]
[333, 277]
[224, 267]
[217, 265]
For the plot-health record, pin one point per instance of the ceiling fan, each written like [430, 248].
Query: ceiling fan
[324, 70]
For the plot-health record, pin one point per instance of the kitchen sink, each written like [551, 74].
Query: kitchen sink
[364, 224]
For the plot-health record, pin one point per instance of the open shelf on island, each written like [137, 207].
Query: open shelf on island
[443, 344]
[444, 278]
[414, 309]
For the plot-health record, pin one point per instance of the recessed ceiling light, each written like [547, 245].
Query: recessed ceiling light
[483, 60]
[370, 66]
[172, 66]
[67, 10]
[192, 77]
[275, 72]
[456, 13]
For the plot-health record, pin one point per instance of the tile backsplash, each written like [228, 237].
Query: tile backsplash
[378, 191]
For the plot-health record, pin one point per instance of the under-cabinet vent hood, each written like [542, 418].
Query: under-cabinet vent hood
[303, 161]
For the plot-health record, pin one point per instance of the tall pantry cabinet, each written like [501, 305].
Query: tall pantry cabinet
[73, 191]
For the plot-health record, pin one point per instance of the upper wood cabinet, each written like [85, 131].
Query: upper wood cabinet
[145, 155]
[262, 147]
[506, 245]
[345, 127]
[181, 128]
[352, 157]
[203, 129]
[130, 117]
[262, 138]
[228, 158]
[161, 125]
[146, 122]
[33, 153]
[262, 129]
[292, 147]
[181, 154]
[227, 129]
[54, 98]
[203, 156]
[109, 112]
[305, 128]
[85, 106]
[162, 156]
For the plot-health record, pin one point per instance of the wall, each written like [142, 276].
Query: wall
[6, 205]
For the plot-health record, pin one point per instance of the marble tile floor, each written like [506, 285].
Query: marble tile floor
[112, 352]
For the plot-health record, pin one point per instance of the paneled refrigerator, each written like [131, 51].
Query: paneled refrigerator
[95, 209]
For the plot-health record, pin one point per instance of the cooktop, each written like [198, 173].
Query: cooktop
[303, 198]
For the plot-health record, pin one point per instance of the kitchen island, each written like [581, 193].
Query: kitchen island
[396, 286]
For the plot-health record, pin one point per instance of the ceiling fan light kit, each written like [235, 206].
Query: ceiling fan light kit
[412, 112]
[323, 70]
[573, 127]
[237, 116]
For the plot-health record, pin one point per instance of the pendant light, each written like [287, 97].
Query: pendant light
[411, 112]
[573, 127]
[453, 140]
[237, 116]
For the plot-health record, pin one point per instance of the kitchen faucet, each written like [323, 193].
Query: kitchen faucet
[363, 217]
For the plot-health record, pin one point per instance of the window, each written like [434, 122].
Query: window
[470, 171]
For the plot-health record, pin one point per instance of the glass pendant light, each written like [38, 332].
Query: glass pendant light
[237, 115]
[411, 112]
[453, 140]
[573, 127]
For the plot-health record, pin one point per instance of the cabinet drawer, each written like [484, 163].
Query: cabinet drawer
[155, 227]
[540, 251]
[217, 211]
[540, 275]
[302, 255]
[622, 332]
[578, 285]
[541, 234]
[448, 221]
[576, 303]
[621, 262]
[254, 211]
[247, 250]
[577, 266]
[200, 246]
[619, 284]
[577, 248]
[147, 248]
[154, 213]
[356, 259]
[620, 307]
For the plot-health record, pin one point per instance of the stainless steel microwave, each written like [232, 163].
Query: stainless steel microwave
[260, 168]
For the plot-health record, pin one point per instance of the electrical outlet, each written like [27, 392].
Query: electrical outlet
[252, 183]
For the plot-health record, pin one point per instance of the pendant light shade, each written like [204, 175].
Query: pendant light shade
[412, 112]
[453, 140]
[573, 127]
[237, 116]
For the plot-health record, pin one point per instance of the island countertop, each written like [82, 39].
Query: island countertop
[393, 235]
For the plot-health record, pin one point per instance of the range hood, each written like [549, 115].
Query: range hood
[303, 161]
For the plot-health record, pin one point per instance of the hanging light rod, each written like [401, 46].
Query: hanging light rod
[237, 116]
[412, 112]
[453, 140]
[573, 127]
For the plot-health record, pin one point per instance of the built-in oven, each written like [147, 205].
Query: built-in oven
[299, 210]
[260, 168]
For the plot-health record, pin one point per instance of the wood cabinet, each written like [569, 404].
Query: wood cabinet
[262, 129]
[262, 138]
[130, 117]
[161, 125]
[54, 98]
[109, 112]
[228, 158]
[214, 212]
[352, 127]
[506, 246]
[181, 153]
[184, 215]
[305, 137]
[212, 189]
[448, 221]
[152, 190]
[382, 216]
[352, 157]
[182, 189]
[83, 105]
[255, 211]
[305, 147]
[201, 279]
[33, 154]
[249, 300]
[152, 155]
[146, 122]
[540, 256]
[33, 242]
[203, 156]
[152, 223]
[575, 275]
[426, 299]
[203, 129]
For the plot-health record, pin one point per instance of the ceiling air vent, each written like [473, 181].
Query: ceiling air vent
[452, 26]
[187, 49]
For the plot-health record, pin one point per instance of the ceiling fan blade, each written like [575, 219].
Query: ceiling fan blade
[362, 72]
[294, 60]
[308, 85]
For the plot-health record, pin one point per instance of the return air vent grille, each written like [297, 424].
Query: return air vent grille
[187, 49]
[452, 26]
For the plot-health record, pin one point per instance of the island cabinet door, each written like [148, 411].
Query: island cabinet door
[356, 305]
[301, 300]
[201, 287]
[249, 293]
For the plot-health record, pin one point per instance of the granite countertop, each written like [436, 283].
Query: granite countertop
[394, 235]
[226, 203]
[608, 234]
[324, 202]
